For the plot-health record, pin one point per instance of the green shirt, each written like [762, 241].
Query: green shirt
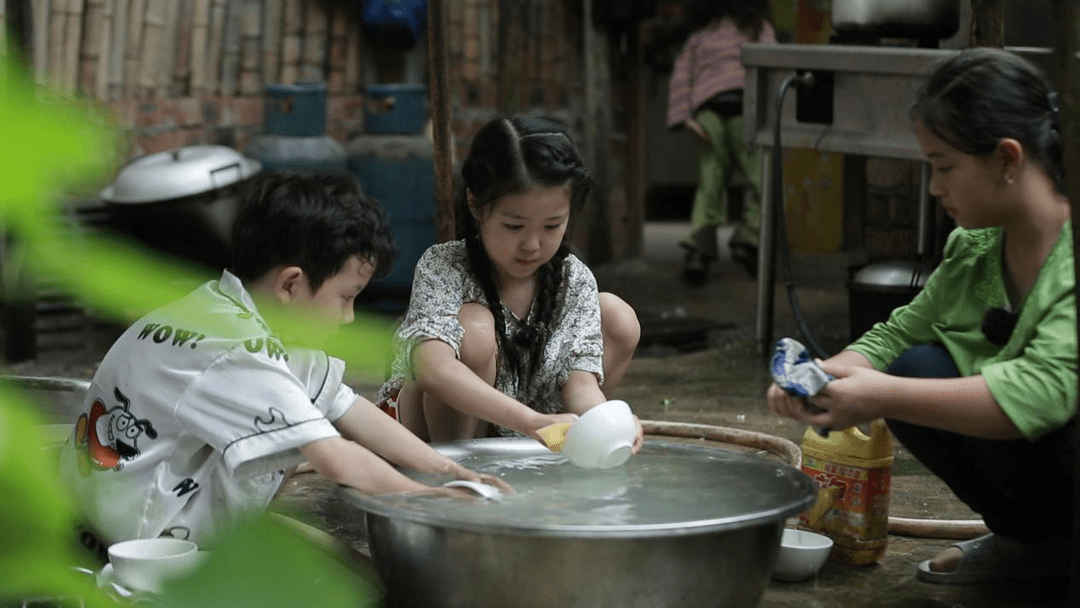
[1032, 377]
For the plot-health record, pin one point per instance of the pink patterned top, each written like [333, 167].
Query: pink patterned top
[708, 64]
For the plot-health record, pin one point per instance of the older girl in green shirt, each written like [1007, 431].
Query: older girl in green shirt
[980, 380]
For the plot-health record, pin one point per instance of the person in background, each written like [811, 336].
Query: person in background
[506, 326]
[705, 96]
[200, 410]
[977, 376]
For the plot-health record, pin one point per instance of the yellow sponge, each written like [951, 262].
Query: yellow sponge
[554, 435]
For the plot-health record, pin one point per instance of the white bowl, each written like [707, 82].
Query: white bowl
[802, 553]
[602, 437]
[145, 564]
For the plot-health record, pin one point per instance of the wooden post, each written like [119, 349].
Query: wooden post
[1067, 65]
[633, 243]
[41, 42]
[596, 218]
[215, 44]
[439, 83]
[988, 23]
[314, 51]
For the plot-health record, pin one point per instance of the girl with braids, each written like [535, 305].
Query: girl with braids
[979, 374]
[505, 326]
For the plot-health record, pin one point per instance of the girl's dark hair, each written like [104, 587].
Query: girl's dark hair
[980, 96]
[512, 155]
[749, 16]
[313, 220]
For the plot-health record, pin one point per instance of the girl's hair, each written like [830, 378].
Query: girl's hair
[314, 220]
[980, 96]
[512, 155]
[749, 16]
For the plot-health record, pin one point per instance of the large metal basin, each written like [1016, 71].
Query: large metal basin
[678, 525]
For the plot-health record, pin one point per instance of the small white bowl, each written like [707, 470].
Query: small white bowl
[602, 437]
[802, 554]
[145, 564]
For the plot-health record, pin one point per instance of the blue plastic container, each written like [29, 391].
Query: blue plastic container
[297, 110]
[399, 172]
[395, 109]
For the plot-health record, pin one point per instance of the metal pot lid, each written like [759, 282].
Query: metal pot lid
[179, 173]
[908, 274]
[668, 489]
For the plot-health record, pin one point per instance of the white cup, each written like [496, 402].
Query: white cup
[145, 564]
[602, 437]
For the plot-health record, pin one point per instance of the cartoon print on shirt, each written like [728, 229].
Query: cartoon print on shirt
[105, 438]
[277, 421]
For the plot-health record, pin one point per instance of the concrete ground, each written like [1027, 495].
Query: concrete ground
[698, 363]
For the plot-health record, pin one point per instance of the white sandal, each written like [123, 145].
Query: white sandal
[993, 558]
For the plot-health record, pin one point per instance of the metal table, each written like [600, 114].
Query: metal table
[870, 90]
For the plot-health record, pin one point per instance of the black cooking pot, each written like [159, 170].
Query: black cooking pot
[181, 202]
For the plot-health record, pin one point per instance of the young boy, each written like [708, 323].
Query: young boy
[199, 409]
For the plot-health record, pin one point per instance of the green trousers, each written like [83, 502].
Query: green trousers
[716, 161]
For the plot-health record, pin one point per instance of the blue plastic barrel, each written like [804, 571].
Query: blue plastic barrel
[395, 109]
[294, 109]
[399, 172]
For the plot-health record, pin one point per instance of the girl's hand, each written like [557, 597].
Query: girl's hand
[640, 437]
[542, 420]
[852, 397]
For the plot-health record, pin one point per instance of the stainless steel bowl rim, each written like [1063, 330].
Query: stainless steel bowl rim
[802, 495]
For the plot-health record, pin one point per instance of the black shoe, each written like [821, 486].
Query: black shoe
[746, 256]
[695, 268]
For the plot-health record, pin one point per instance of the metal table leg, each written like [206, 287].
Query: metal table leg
[766, 281]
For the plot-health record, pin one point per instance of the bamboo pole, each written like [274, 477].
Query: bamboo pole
[101, 78]
[136, 10]
[57, 18]
[181, 76]
[73, 31]
[271, 40]
[89, 57]
[337, 48]
[230, 55]
[315, 40]
[117, 45]
[42, 10]
[354, 44]
[215, 44]
[3, 52]
[200, 29]
[153, 39]
[168, 50]
[250, 48]
[292, 41]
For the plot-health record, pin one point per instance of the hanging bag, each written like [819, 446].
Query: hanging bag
[396, 22]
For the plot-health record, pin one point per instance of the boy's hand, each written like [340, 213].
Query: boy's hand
[462, 473]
